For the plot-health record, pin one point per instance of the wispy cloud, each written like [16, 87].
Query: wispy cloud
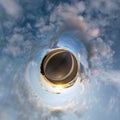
[110, 77]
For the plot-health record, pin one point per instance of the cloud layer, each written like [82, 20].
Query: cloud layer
[27, 27]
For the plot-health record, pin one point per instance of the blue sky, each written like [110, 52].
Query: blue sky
[28, 29]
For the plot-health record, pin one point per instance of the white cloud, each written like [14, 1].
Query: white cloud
[14, 50]
[42, 27]
[69, 15]
[109, 5]
[11, 7]
[15, 42]
[112, 76]
[109, 76]
[112, 104]
[94, 32]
